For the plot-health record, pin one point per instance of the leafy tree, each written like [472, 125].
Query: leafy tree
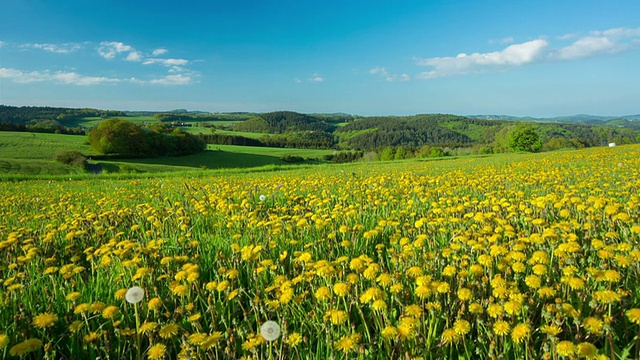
[115, 136]
[524, 138]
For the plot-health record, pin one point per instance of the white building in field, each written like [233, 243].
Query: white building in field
[612, 144]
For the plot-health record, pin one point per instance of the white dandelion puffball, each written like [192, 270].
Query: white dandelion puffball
[270, 330]
[263, 197]
[134, 295]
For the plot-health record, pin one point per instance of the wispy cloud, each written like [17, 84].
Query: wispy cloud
[597, 43]
[166, 62]
[2, 43]
[507, 40]
[606, 42]
[316, 78]
[178, 79]
[63, 77]
[513, 55]
[389, 77]
[109, 50]
[159, 51]
[65, 48]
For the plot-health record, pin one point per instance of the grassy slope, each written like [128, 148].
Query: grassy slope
[32, 154]
[24, 145]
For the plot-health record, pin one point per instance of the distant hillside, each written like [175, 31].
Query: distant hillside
[573, 119]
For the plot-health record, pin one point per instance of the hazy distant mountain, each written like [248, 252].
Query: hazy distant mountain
[574, 119]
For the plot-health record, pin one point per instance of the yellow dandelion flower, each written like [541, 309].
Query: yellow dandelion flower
[110, 312]
[551, 329]
[25, 347]
[91, 337]
[633, 315]
[565, 348]
[154, 304]
[169, 331]
[120, 294]
[348, 343]
[413, 310]
[341, 289]
[389, 332]
[180, 290]
[495, 310]
[464, 294]
[44, 320]
[501, 328]
[211, 340]
[323, 294]
[461, 327]
[520, 332]
[379, 305]
[156, 351]
[293, 339]
[395, 288]
[476, 308]
[81, 308]
[448, 336]
[195, 317]
[337, 317]
[197, 339]
[405, 331]
[73, 296]
[4, 340]
[606, 296]
[533, 281]
[586, 350]
[593, 325]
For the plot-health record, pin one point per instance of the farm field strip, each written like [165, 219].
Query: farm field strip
[526, 256]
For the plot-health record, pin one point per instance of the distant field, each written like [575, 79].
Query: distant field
[32, 154]
[89, 122]
[206, 131]
[230, 156]
[24, 145]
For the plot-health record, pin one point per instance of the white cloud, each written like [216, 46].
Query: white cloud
[109, 49]
[507, 40]
[2, 43]
[179, 79]
[63, 77]
[389, 77]
[606, 42]
[513, 55]
[166, 62]
[597, 43]
[297, 81]
[134, 56]
[159, 51]
[316, 78]
[587, 46]
[56, 48]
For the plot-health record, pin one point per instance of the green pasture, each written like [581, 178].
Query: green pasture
[25, 145]
[24, 153]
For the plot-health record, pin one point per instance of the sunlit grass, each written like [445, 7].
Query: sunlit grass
[520, 256]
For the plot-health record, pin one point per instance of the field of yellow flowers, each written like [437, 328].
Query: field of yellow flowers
[527, 256]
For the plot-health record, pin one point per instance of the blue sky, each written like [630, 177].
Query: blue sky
[536, 58]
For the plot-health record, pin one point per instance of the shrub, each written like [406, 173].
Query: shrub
[292, 159]
[74, 158]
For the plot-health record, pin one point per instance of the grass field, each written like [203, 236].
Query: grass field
[525, 256]
[32, 154]
[205, 130]
[24, 145]
[89, 122]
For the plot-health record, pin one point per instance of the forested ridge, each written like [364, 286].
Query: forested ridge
[416, 134]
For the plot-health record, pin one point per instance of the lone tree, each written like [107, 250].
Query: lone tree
[116, 136]
[524, 138]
